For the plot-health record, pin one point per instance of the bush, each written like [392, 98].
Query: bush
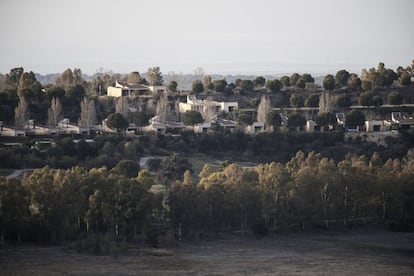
[98, 244]
[158, 236]
[260, 229]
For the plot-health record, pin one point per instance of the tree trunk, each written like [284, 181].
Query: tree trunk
[303, 218]
[345, 206]
[384, 205]
[54, 236]
[275, 201]
[79, 224]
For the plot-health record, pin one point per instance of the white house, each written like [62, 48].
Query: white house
[340, 119]
[255, 128]
[376, 125]
[124, 89]
[161, 127]
[194, 104]
[311, 126]
[402, 120]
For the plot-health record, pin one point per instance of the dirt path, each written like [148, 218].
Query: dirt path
[380, 253]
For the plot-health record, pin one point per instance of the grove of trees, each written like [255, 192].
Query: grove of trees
[308, 191]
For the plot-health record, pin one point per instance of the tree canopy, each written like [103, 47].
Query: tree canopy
[141, 118]
[343, 100]
[274, 119]
[312, 100]
[274, 85]
[246, 85]
[296, 100]
[172, 86]
[285, 81]
[395, 98]
[220, 85]
[325, 119]
[154, 76]
[117, 121]
[296, 120]
[355, 118]
[329, 82]
[259, 81]
[198, 86]
[341, 77]
[192, 118]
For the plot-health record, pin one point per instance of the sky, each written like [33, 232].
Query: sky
[221, 36]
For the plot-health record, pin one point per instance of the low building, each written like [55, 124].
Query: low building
[340, 119]
[203, 106]
[156, 125]
[202, 128]
[124, 89]
[402, 120]
[65, 127]
[376, 125]
[227, 124]
[255, 128]
[312, 126]
[104, 128]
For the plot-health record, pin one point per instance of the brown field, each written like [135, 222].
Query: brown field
[358, 253]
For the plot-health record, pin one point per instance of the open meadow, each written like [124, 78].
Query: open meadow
[361, 252]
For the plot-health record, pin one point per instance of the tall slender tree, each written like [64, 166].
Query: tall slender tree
[88, 112]
[121, 106]
[54, 112]
[21, 113]
[154, 76]
[265, 107]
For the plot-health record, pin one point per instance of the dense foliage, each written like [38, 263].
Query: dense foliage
[308, 191]
[56, 205]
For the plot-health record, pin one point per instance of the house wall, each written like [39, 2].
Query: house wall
[184, 107]
[227, 106]
[159, 89]
[310, 126]
[254, 128]
[114, 91]
[200, 128]
[375, 126]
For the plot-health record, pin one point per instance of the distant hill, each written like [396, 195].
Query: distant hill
[46, 79]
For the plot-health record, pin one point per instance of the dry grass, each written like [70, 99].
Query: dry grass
[358, 253]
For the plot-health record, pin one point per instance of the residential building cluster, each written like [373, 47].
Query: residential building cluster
[212, 112]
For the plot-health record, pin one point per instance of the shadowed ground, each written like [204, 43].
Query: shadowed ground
[357, 253]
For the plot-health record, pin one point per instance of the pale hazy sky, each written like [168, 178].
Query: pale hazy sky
[222, 36]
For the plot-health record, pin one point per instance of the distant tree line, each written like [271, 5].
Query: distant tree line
[57, 205]
[308, 191]
[65, 152]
